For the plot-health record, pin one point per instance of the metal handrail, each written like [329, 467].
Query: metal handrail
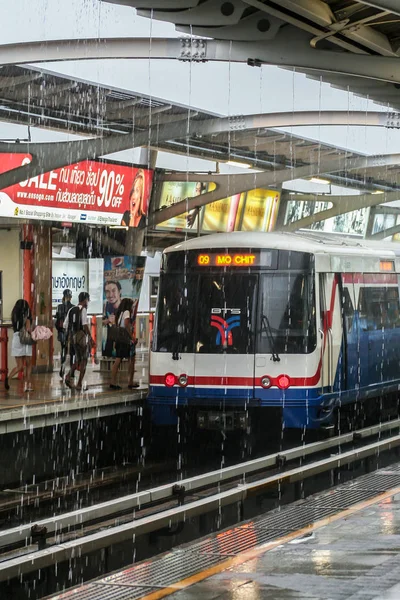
[44, 558]
[22, 533]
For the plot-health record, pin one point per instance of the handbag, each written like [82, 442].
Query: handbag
[79, 340]
[25, 337]
[120, 335]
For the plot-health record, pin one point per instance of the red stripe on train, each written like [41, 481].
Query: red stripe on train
[369, 278]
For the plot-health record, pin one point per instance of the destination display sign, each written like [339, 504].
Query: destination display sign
[223, 259]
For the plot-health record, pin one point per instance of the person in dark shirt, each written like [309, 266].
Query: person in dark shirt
[62, 311]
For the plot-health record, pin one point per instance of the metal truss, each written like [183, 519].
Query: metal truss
[53, 155]
[296, 54]
[341, 206]
[229, 185]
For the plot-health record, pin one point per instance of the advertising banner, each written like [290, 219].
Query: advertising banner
[351, 223]
[89, 191]
[173, 192]
[68, 275]
[123, 277]
[222, 215]
[261, 210]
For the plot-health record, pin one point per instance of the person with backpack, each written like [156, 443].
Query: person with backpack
[60, 316]
[76, 325]
[125, 344]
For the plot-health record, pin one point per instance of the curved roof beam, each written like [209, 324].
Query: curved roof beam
[297, 54]
[381, 235]
[391, 5]
[341, 206]
[53, 155]
[229, 185]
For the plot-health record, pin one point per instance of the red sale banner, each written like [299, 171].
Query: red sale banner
[89, 191]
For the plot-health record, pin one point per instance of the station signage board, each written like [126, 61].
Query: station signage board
[91, 191]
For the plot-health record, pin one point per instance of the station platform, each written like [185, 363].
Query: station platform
[343, 544]
[53, 403]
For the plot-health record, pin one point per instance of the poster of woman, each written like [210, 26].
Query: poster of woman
[123, 277]
[139, 194]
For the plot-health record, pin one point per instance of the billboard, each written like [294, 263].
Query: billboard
[123, 277]
[90, 191]
[351, 223]
[255, 210]
[260, 210]
[69, 275]
[222, 215]
[173, 192]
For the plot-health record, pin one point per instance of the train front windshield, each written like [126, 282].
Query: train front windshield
[231, 311]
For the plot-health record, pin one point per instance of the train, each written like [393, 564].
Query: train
[294, 326]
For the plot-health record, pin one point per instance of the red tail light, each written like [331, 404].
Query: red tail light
[169, 379]
[283, 382]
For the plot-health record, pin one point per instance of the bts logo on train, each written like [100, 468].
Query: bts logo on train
[223, 325]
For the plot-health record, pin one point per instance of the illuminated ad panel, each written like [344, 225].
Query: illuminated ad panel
[224, 214]
[173, 192]
[89, 191]
[255, 211]
[261, 210]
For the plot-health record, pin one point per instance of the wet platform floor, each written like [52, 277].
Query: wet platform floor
[51, 398]
[354, 558]
[343, 544]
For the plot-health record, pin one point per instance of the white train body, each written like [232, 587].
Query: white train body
[293, 323]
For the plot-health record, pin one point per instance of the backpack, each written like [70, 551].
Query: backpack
[62, 310]
[119, 334]
[75, 320]
[75, 328]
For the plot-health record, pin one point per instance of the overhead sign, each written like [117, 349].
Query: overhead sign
[86, 192]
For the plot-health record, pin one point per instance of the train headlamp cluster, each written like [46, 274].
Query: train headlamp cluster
[282, 381]
[170, 380]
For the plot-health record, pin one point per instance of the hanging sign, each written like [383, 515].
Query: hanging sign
[89, 191]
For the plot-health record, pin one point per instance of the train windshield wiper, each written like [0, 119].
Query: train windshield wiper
[266, 327]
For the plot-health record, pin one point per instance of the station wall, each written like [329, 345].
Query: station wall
[10, 265]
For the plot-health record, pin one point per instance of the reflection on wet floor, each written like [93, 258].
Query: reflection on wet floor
[50, 388]
[353, 558]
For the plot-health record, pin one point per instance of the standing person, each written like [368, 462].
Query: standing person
[62, 311]
[136, 215]
[77, 326]
[125, 349]
[21, 316]
[112, 291]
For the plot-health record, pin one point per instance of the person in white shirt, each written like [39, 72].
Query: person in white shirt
[76, 325]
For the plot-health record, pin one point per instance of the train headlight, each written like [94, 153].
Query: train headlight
[169, 379]
[266, 381]
[183, 380]
[283, 382]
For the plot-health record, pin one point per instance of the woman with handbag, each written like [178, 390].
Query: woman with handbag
[122, 334]
[21, 347]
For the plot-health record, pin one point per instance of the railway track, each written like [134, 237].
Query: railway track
[42, 544]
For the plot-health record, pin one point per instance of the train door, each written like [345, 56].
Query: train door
[379, 324]
[224, 338]
[351, 341]
[331, 332]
